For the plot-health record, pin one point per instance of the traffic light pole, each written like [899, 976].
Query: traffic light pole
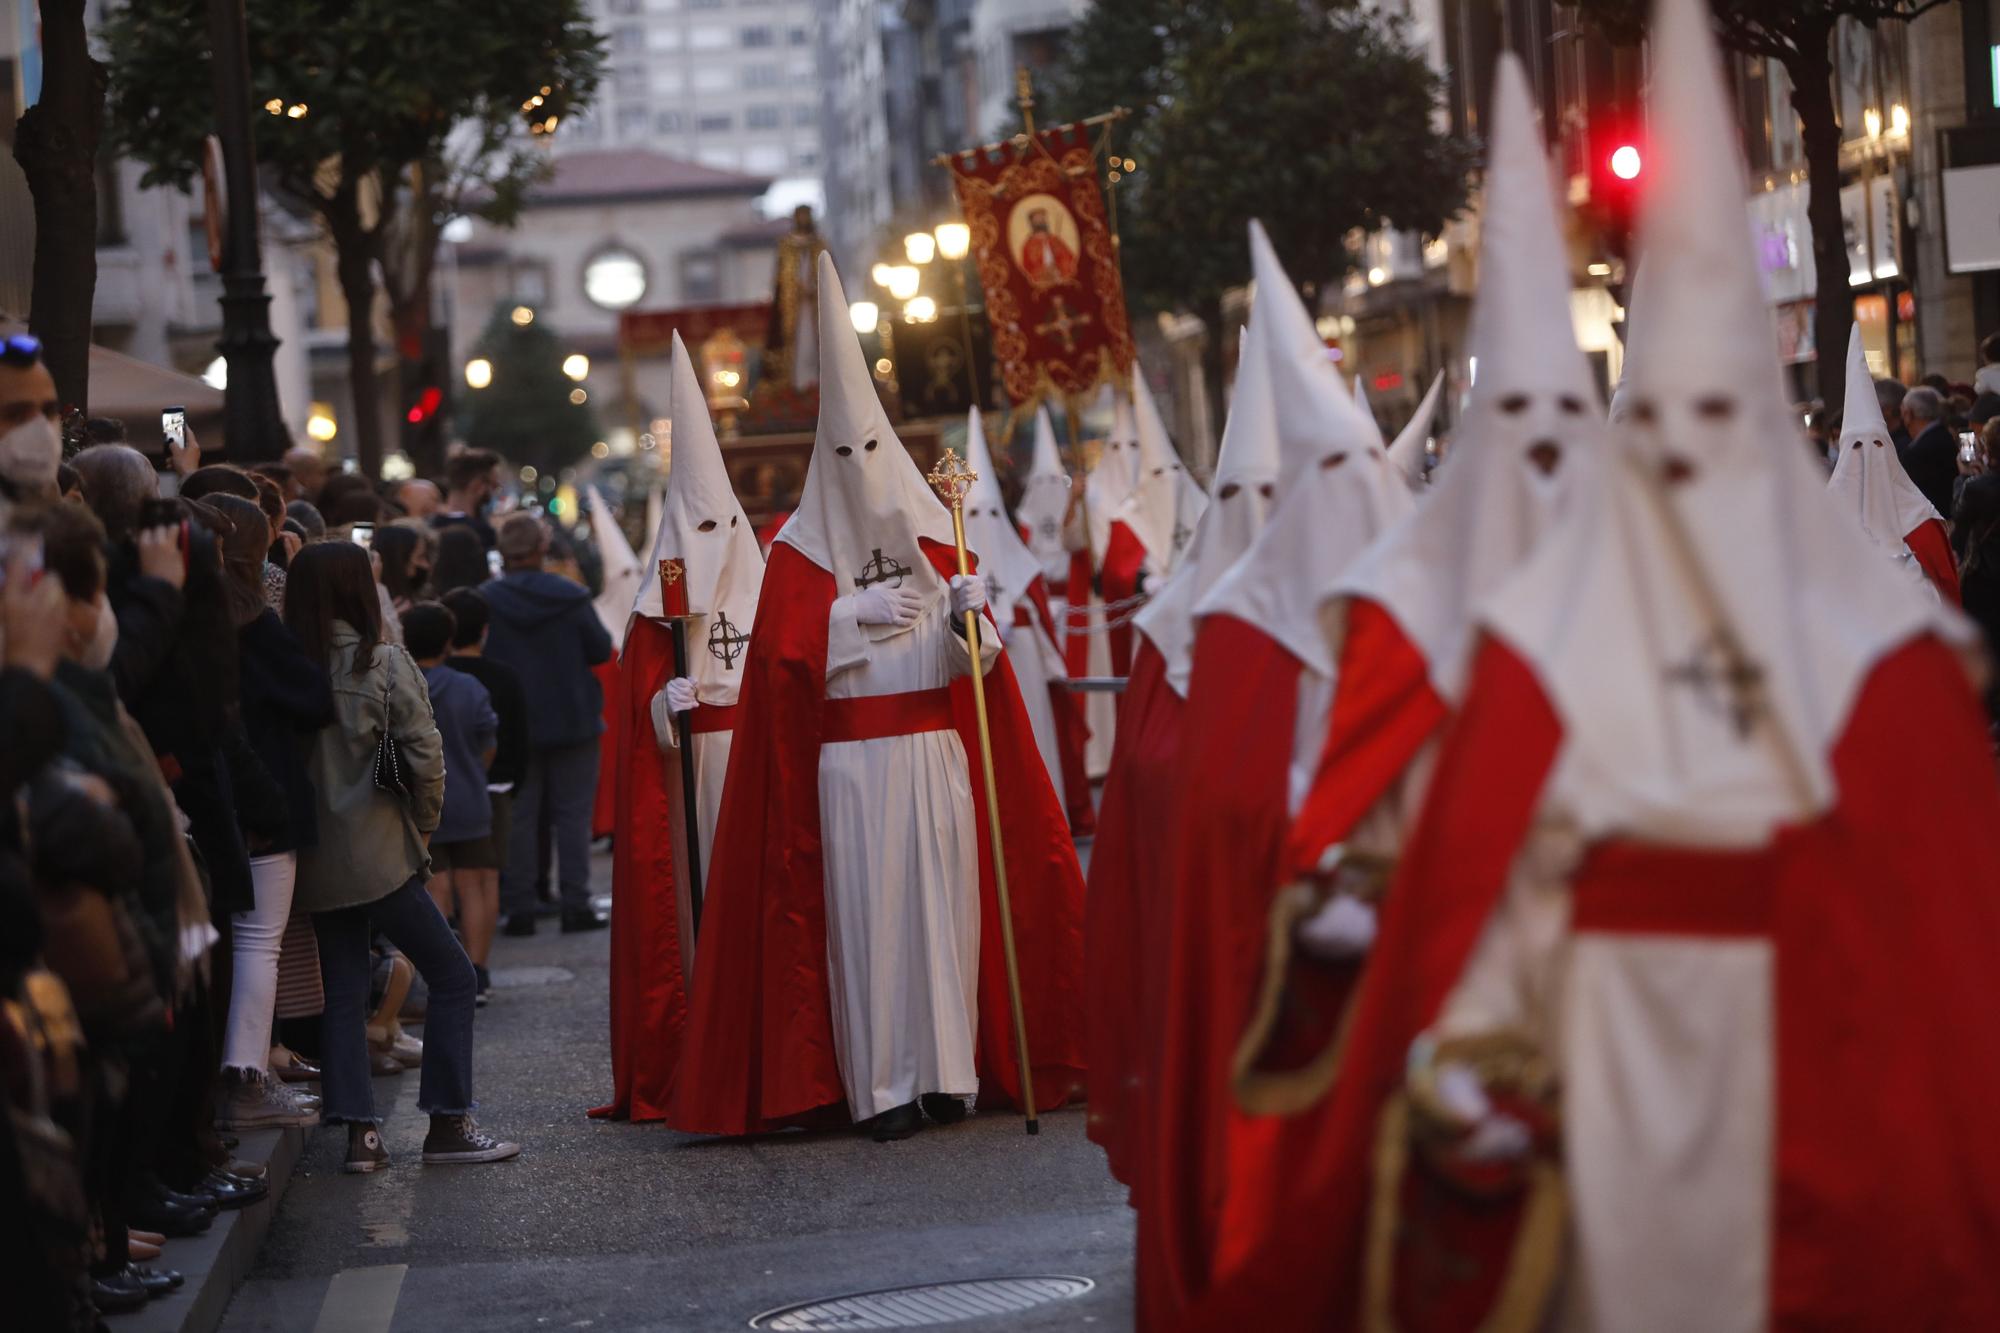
[254, 423]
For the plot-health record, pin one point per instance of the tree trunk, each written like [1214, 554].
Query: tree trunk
[355, 262]
[56, 145]
[409, 264]
[1811, 72]
[1213, 329]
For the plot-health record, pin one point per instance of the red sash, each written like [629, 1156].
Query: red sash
[713, 717]
[1626, 888]
[875, 716]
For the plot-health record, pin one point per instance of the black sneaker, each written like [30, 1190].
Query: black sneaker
[942, 1107]
[455, 1138]
[484, 990]
[519, 924]
[365, 1151]
[893, 1125]
[582, 918]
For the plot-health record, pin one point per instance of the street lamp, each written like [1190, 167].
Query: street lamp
[478, 372]
[864, 315]
[954, 239]
[903, 281]
[920, 247]
[577, 366]
[919, 310]
[880, 273]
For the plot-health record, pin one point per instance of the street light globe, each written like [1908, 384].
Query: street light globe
[577, 366]
[478, 372]
[880, 273]
[522, 317]
[953, 239]
[920, 247]
[920, 310]
[864, 315]
[321, 425]
[903, 281]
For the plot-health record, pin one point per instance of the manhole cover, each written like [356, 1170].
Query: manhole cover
[920, 1307]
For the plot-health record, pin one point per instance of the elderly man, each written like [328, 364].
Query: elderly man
[1931, 457]
[419, 498]
[545, 628]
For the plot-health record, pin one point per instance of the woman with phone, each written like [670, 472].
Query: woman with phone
[378, 775]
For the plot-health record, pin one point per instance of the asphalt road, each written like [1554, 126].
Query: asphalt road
[605, 1226]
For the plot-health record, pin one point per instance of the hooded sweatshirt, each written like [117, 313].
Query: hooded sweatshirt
[545, 628]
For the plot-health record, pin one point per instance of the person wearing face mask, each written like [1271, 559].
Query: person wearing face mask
[844, 957]
[30, 442]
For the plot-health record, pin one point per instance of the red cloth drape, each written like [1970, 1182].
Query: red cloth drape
[759, 1051]
[1124, 561]
[648, 987]
[1129, 867]
[1932, 549]
[604, 813]
[1202, 944]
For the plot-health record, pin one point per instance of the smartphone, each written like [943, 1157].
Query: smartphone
[30, 546]
[174, 426]
[363, 535]
[1968, 446]
[493, 563]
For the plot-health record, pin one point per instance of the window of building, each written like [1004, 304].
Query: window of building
[798, 36]
[760, 76]
[669, 122]
[761, 118]
[628, 37]
[723, 159]
[807, 159]
[664, 37]
[624, 6]
[668, 82]
[761, 35]
[713, 79]
[633, 120]
[764, 159]
[701, 276]
[709, 37]
[628, 79]
[805, 113]
[716, 122]
[706, 4]
[530, 283]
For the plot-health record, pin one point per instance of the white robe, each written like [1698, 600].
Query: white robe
[1100, 711]
[1036, 662]
[901, 853]
[711, 764]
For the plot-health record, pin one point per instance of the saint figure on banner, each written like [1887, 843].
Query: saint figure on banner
[1044, 240]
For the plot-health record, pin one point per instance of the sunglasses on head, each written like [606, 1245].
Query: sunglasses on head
[20, 349]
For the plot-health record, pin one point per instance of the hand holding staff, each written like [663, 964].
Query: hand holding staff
[952, 480]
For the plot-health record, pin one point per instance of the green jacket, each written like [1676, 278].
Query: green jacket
[370, 842]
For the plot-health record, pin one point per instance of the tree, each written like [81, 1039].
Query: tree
[528, 414]
[1799, 36]
[56, 144]
[388, 119]
[1319, 119]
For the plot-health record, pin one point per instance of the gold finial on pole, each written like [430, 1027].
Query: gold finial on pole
[952, 480]
[1024, 97]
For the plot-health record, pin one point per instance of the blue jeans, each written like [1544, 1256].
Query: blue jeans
[411, 922]
[565, 778]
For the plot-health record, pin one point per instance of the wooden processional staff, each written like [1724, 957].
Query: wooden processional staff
[952, 479]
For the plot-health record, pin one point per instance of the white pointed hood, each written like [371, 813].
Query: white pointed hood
[1045, 493]
[1702, 629]
[1533, 428]
[1005, 561]
[1113, 476]
[620, 567]
[1340, 491]
[1411, 445]
[1246, 477]
[1868, 479]
[865, 505]
[1159, 506]
[702, 524]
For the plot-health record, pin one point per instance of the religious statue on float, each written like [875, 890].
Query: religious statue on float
[791, 350]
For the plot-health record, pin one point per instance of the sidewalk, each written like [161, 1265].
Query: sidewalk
[217, 1261]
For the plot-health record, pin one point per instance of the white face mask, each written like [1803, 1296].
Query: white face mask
[30, 453]
[104, 642]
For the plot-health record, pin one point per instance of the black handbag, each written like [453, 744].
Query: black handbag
[388, 772]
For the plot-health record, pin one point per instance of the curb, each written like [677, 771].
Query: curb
[216, 1262]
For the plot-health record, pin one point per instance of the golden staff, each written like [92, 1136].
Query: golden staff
[952, 479]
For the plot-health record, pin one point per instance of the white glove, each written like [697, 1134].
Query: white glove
[967, 594]
[881, 605]
[680, 695]
[1343, 929]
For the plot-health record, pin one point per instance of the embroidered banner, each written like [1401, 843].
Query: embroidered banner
[1054, 301]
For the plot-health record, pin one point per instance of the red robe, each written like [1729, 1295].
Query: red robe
[648, 987]
[1118, 581]
[1129, 868]
[1202, 944]
[604, 813]
[1932, 549]
[1882, 914]
[759, 1051]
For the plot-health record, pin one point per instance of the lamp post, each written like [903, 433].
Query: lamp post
[954, 241]
[253, 421]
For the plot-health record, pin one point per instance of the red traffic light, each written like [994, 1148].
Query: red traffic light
[426, 405]
[1625, 162]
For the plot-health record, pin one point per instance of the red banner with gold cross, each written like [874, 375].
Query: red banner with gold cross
[1054, 300]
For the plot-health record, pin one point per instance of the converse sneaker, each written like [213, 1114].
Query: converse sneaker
[365, 1151]
[251, 1099]
[455, 1138]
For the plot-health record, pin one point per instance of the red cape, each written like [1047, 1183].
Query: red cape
[1932, 549]
[1204, 942]
[759, 1049]
[604, 813]
[1129, 868]
[648, 987]
[1072, 731]
[1884, 921]
[1124, 561]
[1075, 644]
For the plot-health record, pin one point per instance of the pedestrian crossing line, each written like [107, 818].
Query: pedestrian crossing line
[361, 1300]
